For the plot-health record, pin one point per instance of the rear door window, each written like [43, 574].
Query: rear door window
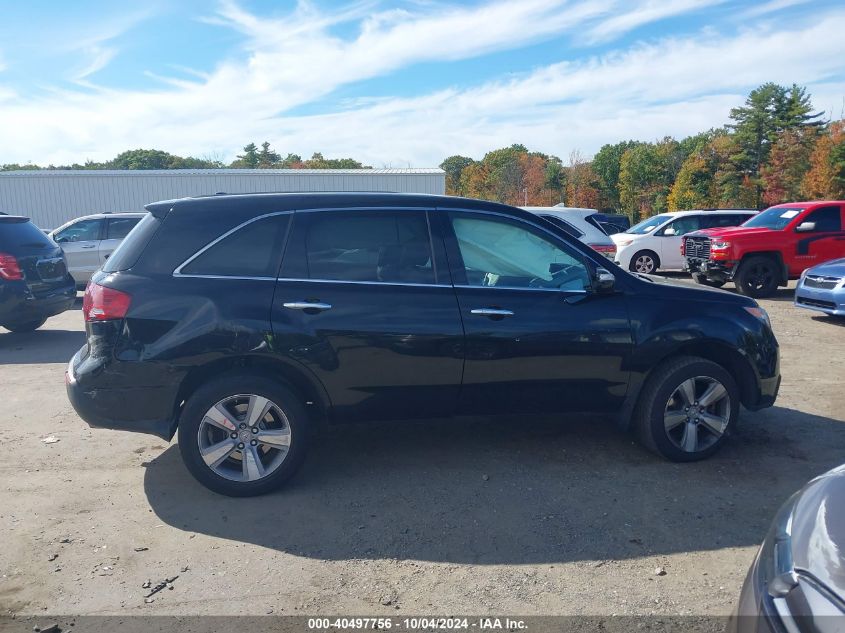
[253, 250]
[361, 246]
[118, 228]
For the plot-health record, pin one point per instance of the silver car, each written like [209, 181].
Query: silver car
[582, 224]
[88, 241]
[822, 288]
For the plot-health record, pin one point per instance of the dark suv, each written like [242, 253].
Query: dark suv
[34, 282]
[248, 321]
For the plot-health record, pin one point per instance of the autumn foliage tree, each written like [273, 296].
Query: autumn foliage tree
[825, 178]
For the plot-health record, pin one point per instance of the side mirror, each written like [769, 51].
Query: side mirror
[604, 280]
[670, 231]
[805, 227]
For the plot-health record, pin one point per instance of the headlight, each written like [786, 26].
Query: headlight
[720, 246]
[625, 242]
[759, 313]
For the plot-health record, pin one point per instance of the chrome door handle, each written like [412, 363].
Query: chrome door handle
[493, 312]
[307, 305]
[88, 246]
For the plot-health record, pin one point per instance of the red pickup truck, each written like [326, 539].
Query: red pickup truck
[768, 250]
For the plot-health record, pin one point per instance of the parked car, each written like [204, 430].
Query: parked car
[247, 321]
[581, 224]
[34, 283]
[770, 249]
[613, 222]
[797, 580]
[655, 243]
[89, 241]
[822, 288]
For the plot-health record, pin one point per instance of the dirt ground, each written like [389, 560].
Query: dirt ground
[518, 516]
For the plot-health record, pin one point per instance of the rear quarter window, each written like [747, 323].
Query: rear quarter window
[253, 250]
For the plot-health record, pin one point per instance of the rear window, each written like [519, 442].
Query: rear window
[595, 220]
[564, 225]
[254, 250]
[129, 250]
[21, 233]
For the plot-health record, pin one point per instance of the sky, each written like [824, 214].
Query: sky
[395, 84]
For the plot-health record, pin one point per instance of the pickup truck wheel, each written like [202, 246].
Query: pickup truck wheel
[243, 435]
[704, 281]
[687, 408]
[645, 262]
[757, 277]
[25, 326]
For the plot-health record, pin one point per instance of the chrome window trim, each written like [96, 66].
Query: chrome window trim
[178, 270]
[361, 283]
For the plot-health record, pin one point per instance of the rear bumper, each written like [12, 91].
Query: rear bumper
[94, 389]
[19, 305]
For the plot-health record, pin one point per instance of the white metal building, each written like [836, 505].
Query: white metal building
[52, 197]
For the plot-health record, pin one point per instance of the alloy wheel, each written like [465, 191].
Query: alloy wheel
[644, 264]
[697, 414]
[244, 437]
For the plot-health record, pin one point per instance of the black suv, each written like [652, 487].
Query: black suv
[248, 321]
[34, 282]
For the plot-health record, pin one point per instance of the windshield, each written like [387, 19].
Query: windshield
[775, 218]
[648, 225]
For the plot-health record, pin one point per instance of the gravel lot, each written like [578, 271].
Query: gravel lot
[517, 516]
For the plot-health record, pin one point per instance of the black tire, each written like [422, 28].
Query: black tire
[757, 277]
[704, 281]
[658, 394]
[24, 326]
[221, 388]
[641, 259]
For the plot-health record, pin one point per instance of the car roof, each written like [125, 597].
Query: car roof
[276, 202]
[562, 211]
[707, 211]
[109, 214]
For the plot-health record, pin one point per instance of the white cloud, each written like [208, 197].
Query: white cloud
[99, 58]
[675, 86]
[771, 7]
[644, 13]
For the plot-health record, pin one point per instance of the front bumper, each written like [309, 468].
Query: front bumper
[99, 393]
[712, 270]
[828, 301]
[19, 305]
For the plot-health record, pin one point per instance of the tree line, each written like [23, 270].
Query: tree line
[775, 149]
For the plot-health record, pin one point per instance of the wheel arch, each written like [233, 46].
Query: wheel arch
[776, 256]
[714, 350]
[294, 377]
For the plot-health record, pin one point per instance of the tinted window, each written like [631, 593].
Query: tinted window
[499, 253]
[717, 220]
[118, 228]
[129, 250]
[826, 219]
[253, 250]
[391, 247]
[82, 231]
[564, 225]
[16, 233]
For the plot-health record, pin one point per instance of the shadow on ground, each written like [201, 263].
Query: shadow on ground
[510, 492]
[40, 346]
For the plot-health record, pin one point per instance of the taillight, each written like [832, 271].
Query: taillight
[9, 268]
[683, 247]
[604, 249]
[102, 304]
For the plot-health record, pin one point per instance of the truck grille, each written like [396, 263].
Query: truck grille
[818, 281]
[697, 247]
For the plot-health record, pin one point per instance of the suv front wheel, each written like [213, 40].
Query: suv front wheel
[757, 277]
[687, 408]
[243, 435]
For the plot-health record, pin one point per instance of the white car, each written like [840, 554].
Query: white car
[655, 243]
[88, 241]
[581, 224]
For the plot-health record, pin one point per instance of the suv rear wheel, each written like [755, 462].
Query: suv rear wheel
[25, 326]
[687, 408]
[757, 277]
[243, 435]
